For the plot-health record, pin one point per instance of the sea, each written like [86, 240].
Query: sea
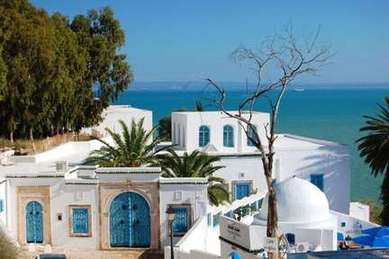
[331, 112]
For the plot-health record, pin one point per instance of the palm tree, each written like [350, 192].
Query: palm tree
[196, 164]
[374, 147]
[134, 147]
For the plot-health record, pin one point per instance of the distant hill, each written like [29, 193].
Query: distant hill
[235, 86]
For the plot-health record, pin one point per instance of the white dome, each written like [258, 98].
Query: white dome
[298, 201]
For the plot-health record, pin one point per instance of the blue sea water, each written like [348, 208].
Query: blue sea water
[334, 114]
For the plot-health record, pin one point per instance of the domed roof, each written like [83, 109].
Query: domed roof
[298, 201]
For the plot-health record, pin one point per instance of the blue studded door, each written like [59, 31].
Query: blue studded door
[129, 221]
[34, 222]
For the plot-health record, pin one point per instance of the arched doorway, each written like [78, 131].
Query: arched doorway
[129, 221]
[34, 222]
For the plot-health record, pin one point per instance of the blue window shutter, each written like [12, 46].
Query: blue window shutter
[228, 136]
[241, 190]
[204, 136]
[216, 219]
[251, 134]
[181, 220]
[80, 218]
[318, 180]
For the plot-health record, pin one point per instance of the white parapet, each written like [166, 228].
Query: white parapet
[360, 211]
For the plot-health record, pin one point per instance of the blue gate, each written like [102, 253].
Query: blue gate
[129, 221]
[34, 222]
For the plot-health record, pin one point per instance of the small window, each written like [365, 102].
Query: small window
[181, 222]
[80, 221]
[1, 205]
[254, 207]
[317, 179]
[204, 136]
[209, 219]
[241, 190]
[251, 135]
[216, 219]
[228, 136]
[291, 238]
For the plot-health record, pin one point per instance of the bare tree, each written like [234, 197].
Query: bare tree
[279, 61]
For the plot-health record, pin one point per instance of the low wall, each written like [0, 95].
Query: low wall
[193, 254]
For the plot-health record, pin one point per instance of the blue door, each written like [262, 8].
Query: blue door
[34, 222]
[130, 221]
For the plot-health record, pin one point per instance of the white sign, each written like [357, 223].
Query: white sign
[270, 244]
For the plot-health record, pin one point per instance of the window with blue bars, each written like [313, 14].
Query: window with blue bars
[80, 221]
[318, 180]
[241, 190]
[251, 135]
[228, 136]
[209, 219]
[181, 220]
[204, 136]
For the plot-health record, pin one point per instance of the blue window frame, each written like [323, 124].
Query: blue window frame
[318, 180]
[251, 134]
[181, 222]
[204, 136]
[80, 220]
[216, 219]
[209, 219]
[228, 136]
[241, 190]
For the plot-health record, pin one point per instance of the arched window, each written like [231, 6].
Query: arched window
[228, 136]
[34, 222]
[251, 134]
[204, 134]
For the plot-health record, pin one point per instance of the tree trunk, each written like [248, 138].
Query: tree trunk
[385, 199]
[32, 139]
[11, 136]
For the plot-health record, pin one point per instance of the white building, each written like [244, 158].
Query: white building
[114, 113]
[50, 201]
[82, 208]
[324, 163]
[304, 217]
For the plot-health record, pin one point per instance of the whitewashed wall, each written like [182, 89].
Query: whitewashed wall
[333, 163]
[63, 195]
[185, 130]
[181, 193]
[3, 196]
[114, 113]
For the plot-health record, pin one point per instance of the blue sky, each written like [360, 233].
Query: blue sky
[178, 40]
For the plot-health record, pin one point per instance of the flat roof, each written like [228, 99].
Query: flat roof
[216, 112]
